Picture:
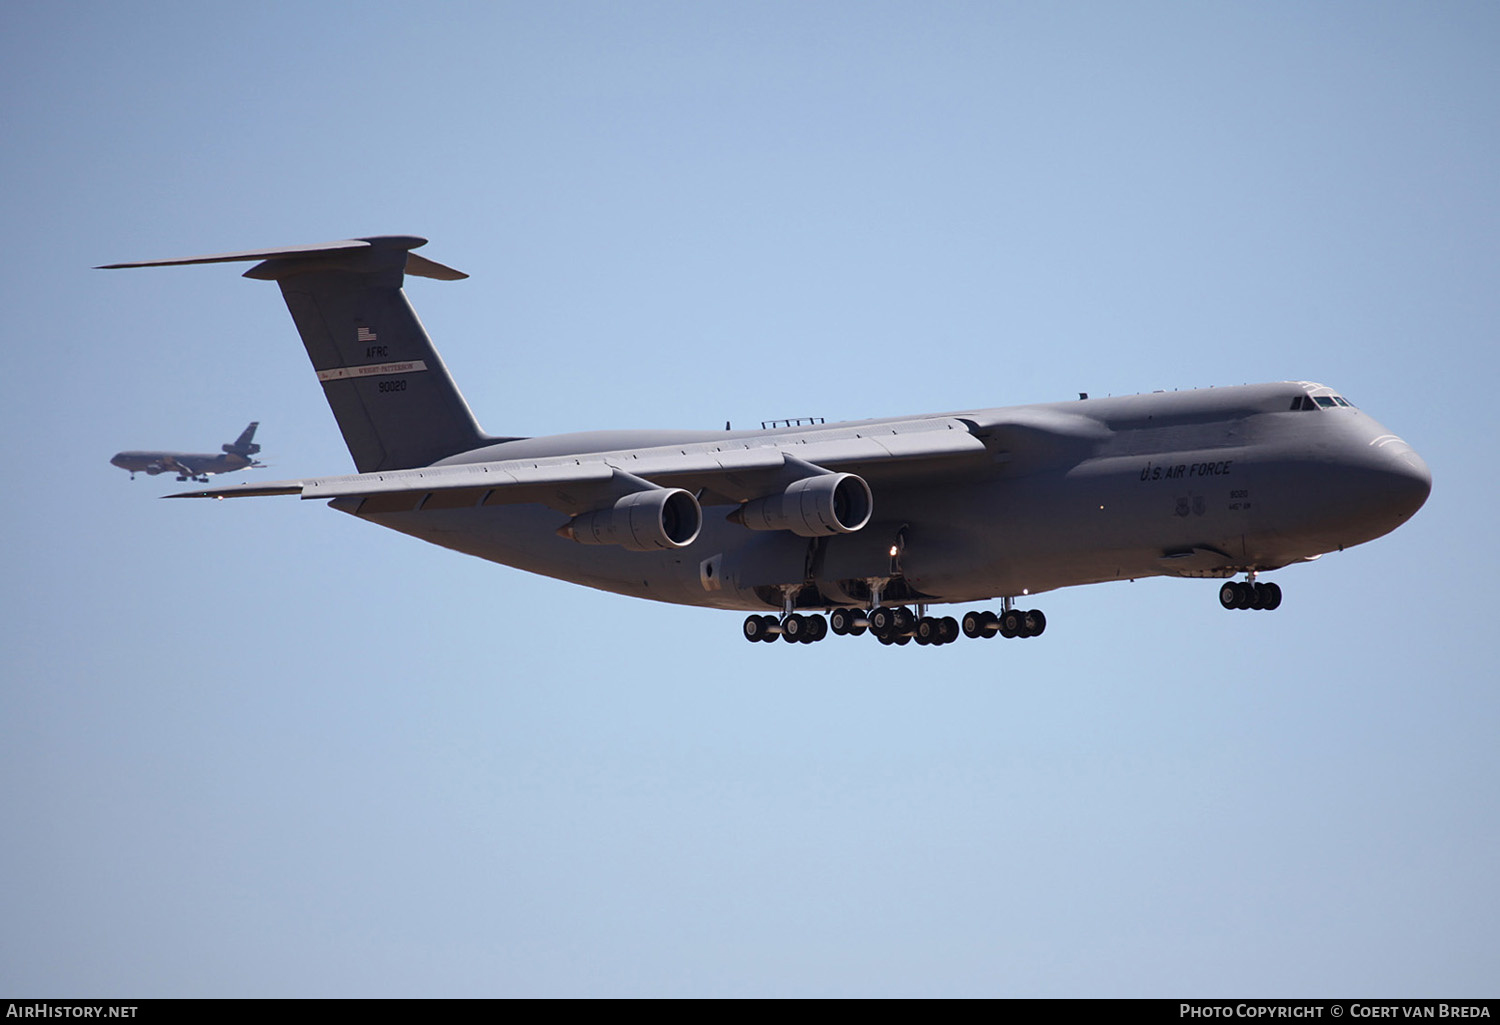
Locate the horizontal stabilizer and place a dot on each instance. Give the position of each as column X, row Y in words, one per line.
column 418, row 265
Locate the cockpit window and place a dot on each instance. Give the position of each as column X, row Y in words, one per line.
column 1316, row 402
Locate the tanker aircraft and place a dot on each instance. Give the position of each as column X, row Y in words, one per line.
column 874, row 523
column 236, row 455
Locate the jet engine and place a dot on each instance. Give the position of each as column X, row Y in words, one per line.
column 829, row 503
column 642, row 521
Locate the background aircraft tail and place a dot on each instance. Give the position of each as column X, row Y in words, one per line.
column 388, row 389
column 243, row 446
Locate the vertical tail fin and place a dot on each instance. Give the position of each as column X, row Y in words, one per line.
column 388, row 388
column 243, row 445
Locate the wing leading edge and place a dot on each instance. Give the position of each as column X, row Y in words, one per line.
column 733, row 471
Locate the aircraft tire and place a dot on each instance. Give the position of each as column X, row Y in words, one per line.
column 1035, row 623
column 882, row 620
column 841, row 621
column 947, row 630
column 794, row 629
column 755, row 629
column 973, row 625
column 817, row 628
column 1273, row 597
column 929, row 631
column 1012, row 622
column 1229, row 594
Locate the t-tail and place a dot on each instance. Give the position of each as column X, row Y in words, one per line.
column 388, row 389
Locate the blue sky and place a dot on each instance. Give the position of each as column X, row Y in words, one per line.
column 260, row 749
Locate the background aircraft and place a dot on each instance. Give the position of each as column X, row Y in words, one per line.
column 236, row 455
column 875, row 520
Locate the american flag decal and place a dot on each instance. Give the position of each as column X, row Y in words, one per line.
column 366, row 335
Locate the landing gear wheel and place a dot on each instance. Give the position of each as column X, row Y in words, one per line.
column 947, row 630
column 794, row 629
column 1229, row 594
column 1273, row 597
column 973, row 625
column 929, row 631
column 817, row 628
column 841, row 621
column 882, row 620
column 904, row 621
column 1012, row 622
column 1033, row 623
column 756, row 629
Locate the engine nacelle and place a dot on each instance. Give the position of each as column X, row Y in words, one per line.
column 642, row 521
column 829, row 503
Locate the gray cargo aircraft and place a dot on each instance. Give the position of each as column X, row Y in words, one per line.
column 236, row 455
column 874, row 522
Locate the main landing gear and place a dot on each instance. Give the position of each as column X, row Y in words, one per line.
column 894, row 625
column 1010, row 623
column 1249, row 595
column 794, row 629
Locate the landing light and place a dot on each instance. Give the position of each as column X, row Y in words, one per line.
column 893, row 551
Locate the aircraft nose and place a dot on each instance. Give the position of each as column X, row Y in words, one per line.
column 1374, row 485
column 1405, row 477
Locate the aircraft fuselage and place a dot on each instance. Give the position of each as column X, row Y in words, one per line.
column 189, row 464
column 1203, row 483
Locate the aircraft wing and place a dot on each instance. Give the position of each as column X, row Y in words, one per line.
column 285, row 487
column 735, row 470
